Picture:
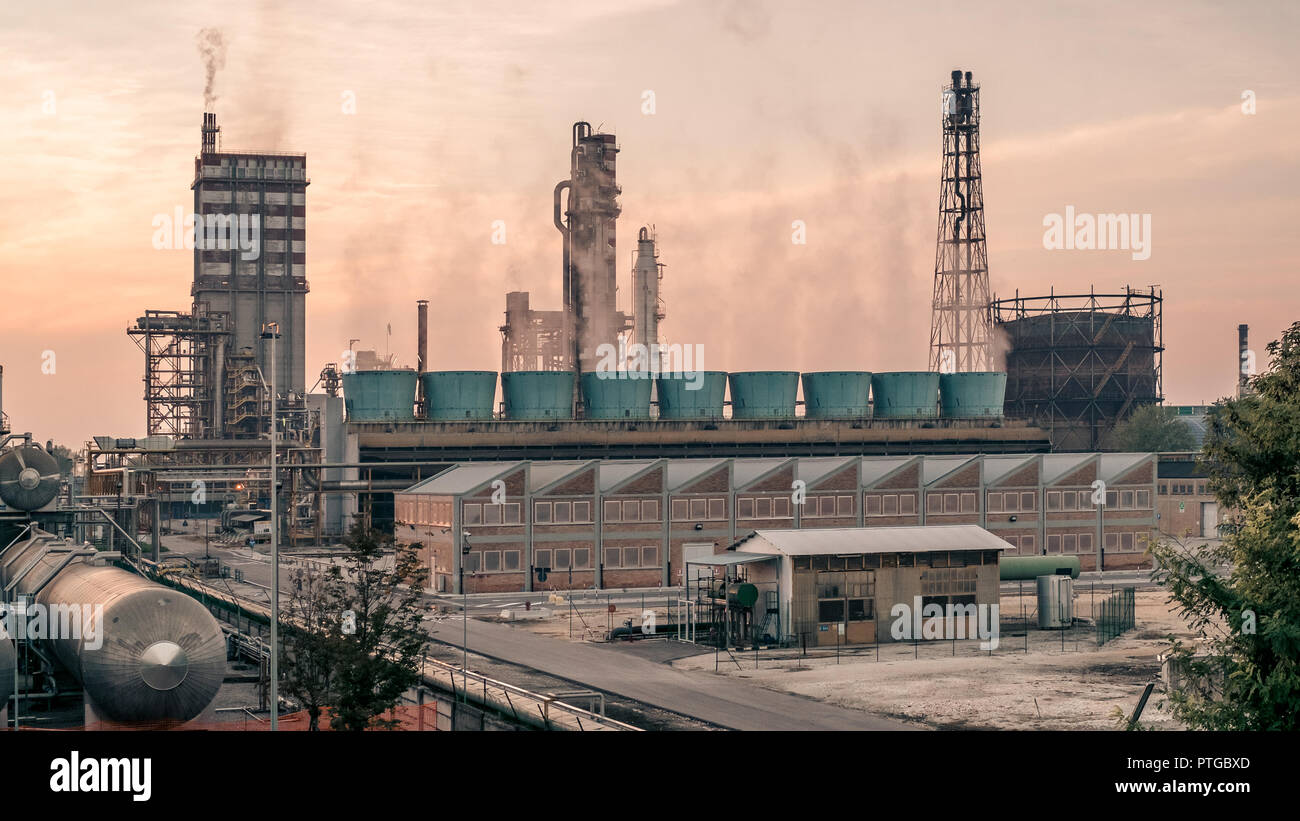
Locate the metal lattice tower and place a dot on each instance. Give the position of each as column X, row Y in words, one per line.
column 959, row 326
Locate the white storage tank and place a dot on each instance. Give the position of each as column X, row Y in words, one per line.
column 1055, row 602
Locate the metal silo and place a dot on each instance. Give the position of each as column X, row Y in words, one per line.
column 451, row 396
column 695, row 395
column 538, row 395
column 1055, row 602
column 836, row 394
column 763, row 394
column 616, row 395
column 905, row 395
column 156, row 654
column 380, row 395
column 972, row 394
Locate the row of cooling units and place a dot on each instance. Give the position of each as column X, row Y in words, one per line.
column 389, row 395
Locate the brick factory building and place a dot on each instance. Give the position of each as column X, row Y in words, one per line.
column 628, row 523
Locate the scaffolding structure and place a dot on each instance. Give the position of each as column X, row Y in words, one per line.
column 959, row 328
column 178, row 348
column 1078, row 364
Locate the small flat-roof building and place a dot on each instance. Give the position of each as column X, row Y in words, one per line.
column 827, row 577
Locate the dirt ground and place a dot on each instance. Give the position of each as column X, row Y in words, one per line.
column 1046, row 689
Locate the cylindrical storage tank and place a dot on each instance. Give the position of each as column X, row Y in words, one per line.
column 763, row 394
column 451, row 396
column 616, row 395
column 905, row 395
column 691, row 395
column 1055, row 602
column 380, row 396
column 29, row 477
column 972, row 394
column 742, row 594
column 152, row 654
column 836, row 394
column 1025, row 568
column 538, row 395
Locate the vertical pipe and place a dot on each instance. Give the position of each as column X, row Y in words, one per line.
column 422, row 350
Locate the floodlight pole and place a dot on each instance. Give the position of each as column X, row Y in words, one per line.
column 272, row 332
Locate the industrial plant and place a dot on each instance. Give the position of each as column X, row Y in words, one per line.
column 769, row 508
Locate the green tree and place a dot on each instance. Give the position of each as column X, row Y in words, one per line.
column 1152, row 428
column 379, row 587
column 1248, row 620
column 353, row 638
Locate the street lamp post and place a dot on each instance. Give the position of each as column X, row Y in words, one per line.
column 272, row 332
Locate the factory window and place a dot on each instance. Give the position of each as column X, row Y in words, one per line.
column 1142, row 538
column 1112, row 541
column 763, row 508
column 471, row 562
column 699, row 508
column 1126, row 499
column 1069, row 500
column 511, row 513
column 891, row 504
column 650, row 510
column 613, row 557
column 491, row 514
column 744, row 508
column 934, row 503
column 1069, row 543
column 631, row 557
column 1144, row 500
column 1112, row 498
column 1164, row 489
column 1085, row 542
column 951, row 503
column 995, row 502
column 561, row 558
column 632, row 511
column 862, row 610
column 717, row 509
column 872, row 502
column 1126, row 541
column 472, row 514
column 830, row 610
column 581, row 558
column 542, row 558
column 1053, row 544
column 563, row 512
column 582, row 512
column 1027, row 544
column 1053, row 500
column 650, row 556
column 844, row 505
column 511, row 559
column 907, row 504
column 679, row 510
column 613, row 512
column 781, row 508
column 938, row 560
column 1200, row 488
column 542, row 513
column 492, row 560
column 968, row 503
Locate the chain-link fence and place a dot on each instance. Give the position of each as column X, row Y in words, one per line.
column 1115, row 614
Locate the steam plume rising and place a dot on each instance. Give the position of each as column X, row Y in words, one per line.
column 212, row 48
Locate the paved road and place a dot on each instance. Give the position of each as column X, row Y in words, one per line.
column 720, row 700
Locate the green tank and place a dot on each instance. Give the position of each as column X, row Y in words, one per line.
column 691, row 395
column 380, row 396
column 973, row 394
column 1028, row 568
column 836, row 394
column 616, row 395
column 763, row 394
column 905, row 395
column 538, row 395
column 458, row 395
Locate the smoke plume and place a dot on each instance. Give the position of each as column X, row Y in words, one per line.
column 212, row 49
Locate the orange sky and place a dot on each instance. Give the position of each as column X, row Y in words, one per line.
column 765, row 113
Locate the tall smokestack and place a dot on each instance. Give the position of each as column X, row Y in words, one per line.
column 209, row 131
column 1243, row 360
column 421, row 346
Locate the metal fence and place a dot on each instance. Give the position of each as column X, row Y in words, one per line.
column 1115, row 614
